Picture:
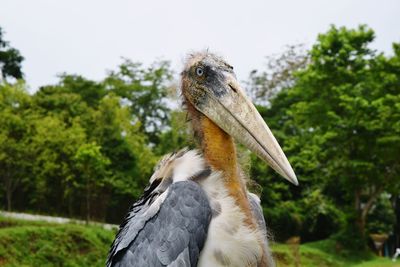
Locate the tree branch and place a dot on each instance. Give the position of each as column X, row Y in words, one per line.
column 371, row 200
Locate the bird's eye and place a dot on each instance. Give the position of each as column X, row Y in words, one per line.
column 199, row 71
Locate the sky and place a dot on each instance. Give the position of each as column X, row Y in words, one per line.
column 89, row 37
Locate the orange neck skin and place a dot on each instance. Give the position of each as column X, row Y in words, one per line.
column 220, row 153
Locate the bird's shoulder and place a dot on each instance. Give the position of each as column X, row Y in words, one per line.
column 168, row 223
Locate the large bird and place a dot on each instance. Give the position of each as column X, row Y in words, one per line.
column 197, row 210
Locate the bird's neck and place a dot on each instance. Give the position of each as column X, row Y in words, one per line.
column 220, row 153
column 217, row 146
column 219, row 150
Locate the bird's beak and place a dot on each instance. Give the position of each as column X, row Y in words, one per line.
column 236, row 115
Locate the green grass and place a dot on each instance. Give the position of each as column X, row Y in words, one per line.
column 326, row 254
column 27, row 243
column 24, row 243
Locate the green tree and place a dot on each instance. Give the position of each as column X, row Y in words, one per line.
column 92, row 168
column 145, row 91
column 84, row 111
column 278, row 74
column 178, row 134
column 381, row 217
column 126, row 146
column 339, row 122
column 15, row 152
column 10, row 60
column 55, row 144
column 91, row 92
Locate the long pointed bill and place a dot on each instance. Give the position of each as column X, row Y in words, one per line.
column 235, row 114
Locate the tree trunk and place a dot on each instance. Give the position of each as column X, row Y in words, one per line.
column 9, row 190
column 361, row 224
column 9, row 199
column 357, row 195
column 362, row 212
column 357, row 207
column 87, row 203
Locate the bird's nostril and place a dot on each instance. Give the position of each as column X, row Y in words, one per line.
column 233, row 88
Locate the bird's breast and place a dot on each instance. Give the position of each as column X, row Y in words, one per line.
column 230, row 240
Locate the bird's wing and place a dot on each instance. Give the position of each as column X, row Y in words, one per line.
column 257, row 212
column 170, row 231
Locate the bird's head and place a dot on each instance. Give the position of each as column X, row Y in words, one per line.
column 210, row 86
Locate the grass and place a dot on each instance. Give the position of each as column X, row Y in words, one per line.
column 36, row 243
column 24, row 243
column 324, row 254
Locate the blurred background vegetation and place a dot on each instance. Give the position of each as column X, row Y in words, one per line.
column 85, row 149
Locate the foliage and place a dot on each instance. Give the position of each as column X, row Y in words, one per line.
column 54, row 143
column 14, row 138
column 92, row 168
column 178, row 135
column 381, row 217
column 42, row 244
column 278, row 74
column 338, row 124
column 92, row 155
column 10, row 60
column 144, row 90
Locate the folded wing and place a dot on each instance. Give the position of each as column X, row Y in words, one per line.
column 165, row 230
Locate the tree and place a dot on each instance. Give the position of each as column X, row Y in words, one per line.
column 126, row 146
column 91, row 92
column 144, row 90
column 10, row 60
column 78, row 114
column 178, row 134
column 279, row 73
column 55, row 143
column 91, row 165
column 339, row 121
column 15, row 151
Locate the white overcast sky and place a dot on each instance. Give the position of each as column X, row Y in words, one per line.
column 88, row 37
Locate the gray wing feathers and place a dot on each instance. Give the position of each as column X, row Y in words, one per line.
column 259, row 216
column 257, row 213
column 172, row 237
column 136, row 222
column 182, row 260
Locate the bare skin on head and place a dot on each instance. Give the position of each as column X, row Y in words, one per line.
column 209, row 85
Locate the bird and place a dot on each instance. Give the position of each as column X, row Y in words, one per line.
column 196, row 209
